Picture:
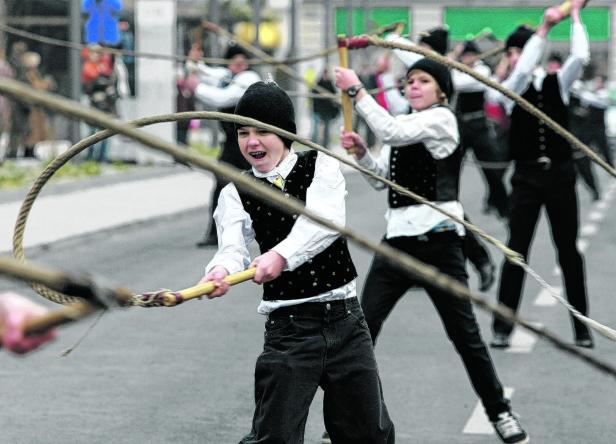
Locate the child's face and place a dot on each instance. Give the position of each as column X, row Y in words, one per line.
column 262, row 149
column 422, row 91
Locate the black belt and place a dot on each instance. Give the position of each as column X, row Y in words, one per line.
column 317, row 309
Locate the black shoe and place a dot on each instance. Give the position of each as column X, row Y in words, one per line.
column 325, row 438
column 584, row 341
column 486, row 276
column 500, row 340
column 209, row 241
column 509, row 430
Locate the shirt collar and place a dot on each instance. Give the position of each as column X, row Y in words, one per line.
column 283, row 169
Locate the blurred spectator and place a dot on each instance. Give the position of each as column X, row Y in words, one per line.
column 14, row 311
column 40, row 129
column 20, row 111
column 99, row 83
column 127, row 42
column 324, row 110
column 186, row 82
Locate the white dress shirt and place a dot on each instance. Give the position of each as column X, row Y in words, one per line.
column 325, row 196
column 437, row 129
column 212, row 94
column 525, row 70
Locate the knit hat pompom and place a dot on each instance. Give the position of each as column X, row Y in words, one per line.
column 519, row 37
column 437, row 70
column 268, row 103
column 436, row 38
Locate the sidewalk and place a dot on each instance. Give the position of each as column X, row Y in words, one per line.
column 86, row 206
column 64, row 210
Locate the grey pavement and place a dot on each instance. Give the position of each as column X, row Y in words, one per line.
column 80, row 206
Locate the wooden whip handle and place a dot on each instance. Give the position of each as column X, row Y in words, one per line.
column 170, row 299
column 347, row 104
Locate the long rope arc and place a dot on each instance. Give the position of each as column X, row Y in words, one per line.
column 525, row 104
column 512, row 256
column 290, row 205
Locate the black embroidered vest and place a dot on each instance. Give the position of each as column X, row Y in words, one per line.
column 328, row 270
column 414, row 168
column 529, row 137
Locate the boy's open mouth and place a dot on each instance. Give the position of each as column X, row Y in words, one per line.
column 257, row 154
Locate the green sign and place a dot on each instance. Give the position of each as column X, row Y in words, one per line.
column 377, row 17
column 466, row 22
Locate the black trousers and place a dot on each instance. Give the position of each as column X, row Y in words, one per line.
column 534, row 188
column 476, row 134
column 312, row 345
column 386, row 284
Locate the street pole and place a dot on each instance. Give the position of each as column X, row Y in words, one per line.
column 75, row 63
column 327, row 35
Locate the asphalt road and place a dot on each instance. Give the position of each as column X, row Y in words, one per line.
column 185, row 374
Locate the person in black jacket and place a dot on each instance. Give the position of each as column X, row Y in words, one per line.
column 544, row 173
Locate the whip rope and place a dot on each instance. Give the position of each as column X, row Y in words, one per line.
column 290, row 205
column 179, row 58
column 59, row 161
column 363, row 41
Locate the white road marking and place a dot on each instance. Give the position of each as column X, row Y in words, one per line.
column 589, row 229
column 545, row 299
column 582, row 245
column 478, row 423
column 522, row 341
column 596, row 216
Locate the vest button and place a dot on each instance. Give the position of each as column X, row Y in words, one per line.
column 541, row 130
column 542, row 147
column 541, row 139
column 328, row 306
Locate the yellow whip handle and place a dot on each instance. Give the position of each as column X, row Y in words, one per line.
column 170, row 299
column 347, row 105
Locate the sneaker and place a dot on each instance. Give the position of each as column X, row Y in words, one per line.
column 486, row 276
column 500, row 340
column 325, row 438
column 509, row 429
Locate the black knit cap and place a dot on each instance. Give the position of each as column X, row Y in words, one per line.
column 519, row 37
column 470, row 46
column 268, row 103
column 440, row 73
column 436, row 38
